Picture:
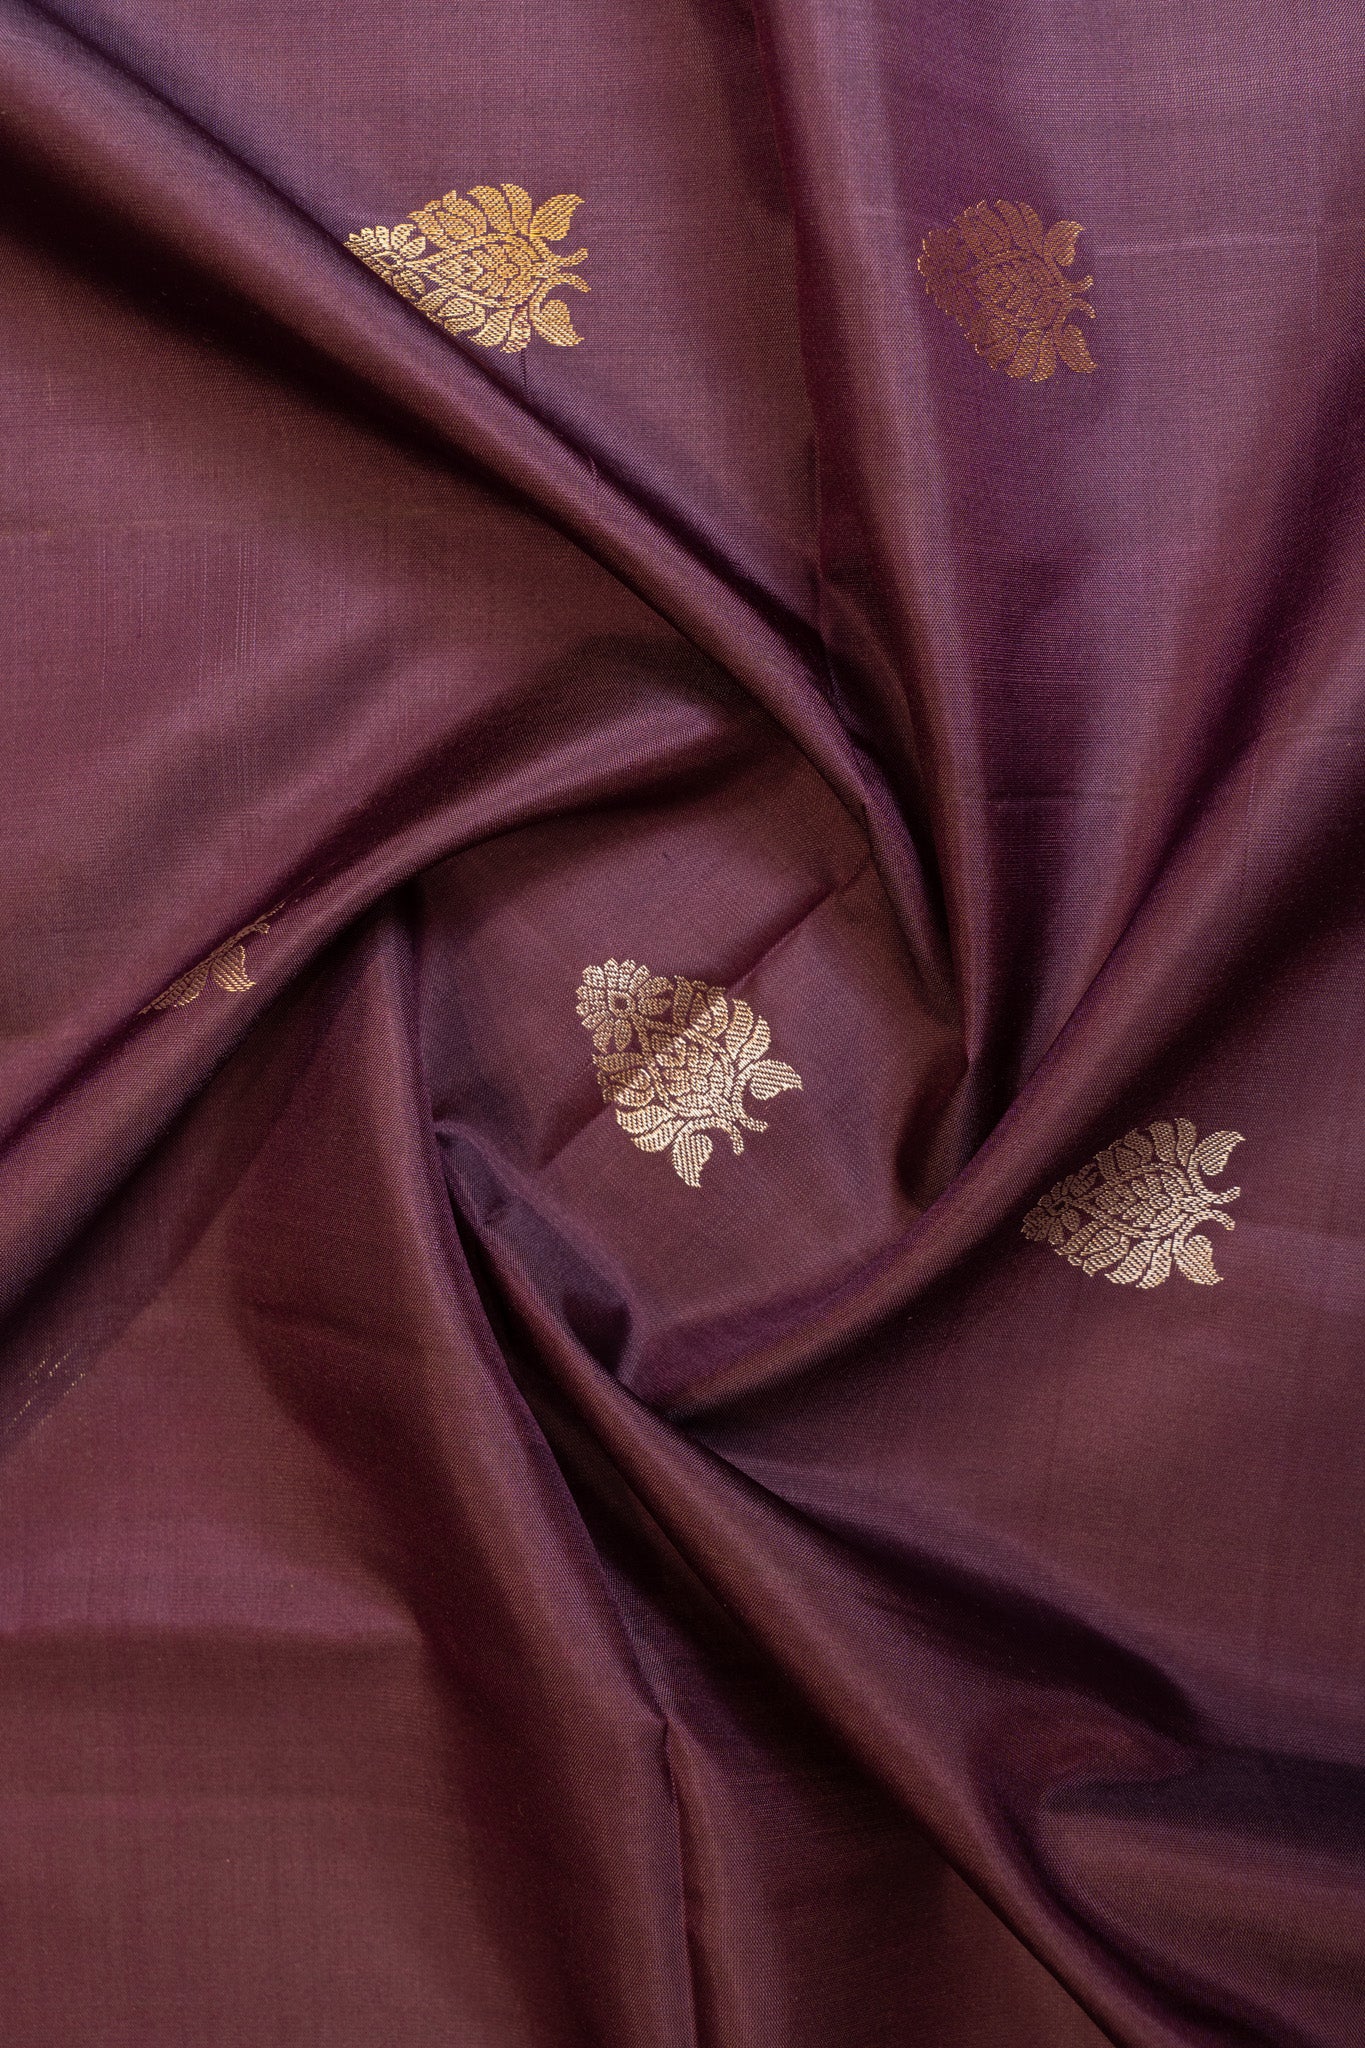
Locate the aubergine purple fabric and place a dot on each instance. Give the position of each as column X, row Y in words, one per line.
column 486, row 1560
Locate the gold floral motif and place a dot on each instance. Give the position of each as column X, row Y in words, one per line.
column 226, row 964
column 674, row 1057
column 485, row 269
column 1001, row 278
column 1136, row 1207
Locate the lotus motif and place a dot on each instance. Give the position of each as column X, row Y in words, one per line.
column 1003, row 279
column 1135, row 1209
column 483, row 266
column 675, row 1057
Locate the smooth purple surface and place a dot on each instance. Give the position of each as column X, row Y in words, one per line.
column 459, row 1584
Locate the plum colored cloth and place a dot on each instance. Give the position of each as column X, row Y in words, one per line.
column 683, row 1066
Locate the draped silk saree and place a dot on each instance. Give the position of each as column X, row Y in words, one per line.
column 682, row 1068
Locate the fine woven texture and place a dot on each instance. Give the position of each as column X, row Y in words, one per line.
column 682, row 1106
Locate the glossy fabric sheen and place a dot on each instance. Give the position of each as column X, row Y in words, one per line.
column 459, row 1582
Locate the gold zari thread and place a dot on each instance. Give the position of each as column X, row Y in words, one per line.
column 1134, row 1210
column 482, row 266
column 674, row 1058
column 1002, row 278
column 226, row 964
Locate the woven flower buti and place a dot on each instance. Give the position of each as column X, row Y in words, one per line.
column 674, row 1058
column 1002, row 277
column 482, row 266
column 1135, row 1209
column 225, row 965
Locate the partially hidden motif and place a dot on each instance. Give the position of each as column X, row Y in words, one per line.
column 487, row 269
column 1136, row 1207
column 226, row 964
column 1002, row 278
column 674, row 1058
